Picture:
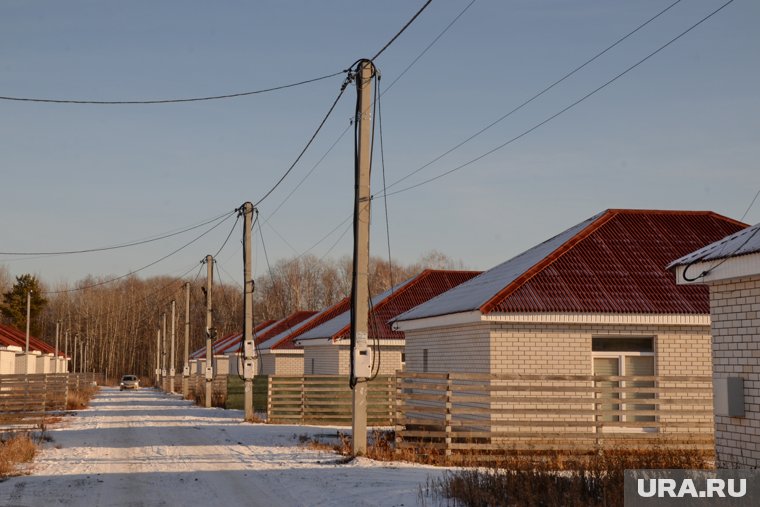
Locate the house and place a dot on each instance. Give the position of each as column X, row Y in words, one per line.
column 278, row 354
column 326, row 346
column 730, row 268
column 286, row 361
column 227, row 349
column 594, row 302
column 42, row 358
column 594, row 299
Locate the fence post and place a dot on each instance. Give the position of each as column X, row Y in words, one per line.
column 303, row 400
column 447, row 451
column 398, row 411
column 269, row 398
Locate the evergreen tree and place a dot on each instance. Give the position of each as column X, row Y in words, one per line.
column 14, row 303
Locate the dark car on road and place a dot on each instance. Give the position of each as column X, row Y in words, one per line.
column 129, row 382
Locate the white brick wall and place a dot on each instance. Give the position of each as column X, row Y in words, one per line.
column 332, row 359
column 735, row 312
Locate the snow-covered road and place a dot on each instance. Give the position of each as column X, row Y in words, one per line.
column 147, row 448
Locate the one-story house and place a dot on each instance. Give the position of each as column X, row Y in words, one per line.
column 577, row 303
column 42, row 357
column 326, row 347
column 593, row 301
column 730, row 268
column 287, row 361
column 277, row 354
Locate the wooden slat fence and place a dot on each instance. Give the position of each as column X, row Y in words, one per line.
column 26, row 401
column 481, row 415
column 236, row 393
column 326, row 399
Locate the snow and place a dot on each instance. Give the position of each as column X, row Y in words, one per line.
column 148, row 448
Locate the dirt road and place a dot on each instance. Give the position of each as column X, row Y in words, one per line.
column 146, row 448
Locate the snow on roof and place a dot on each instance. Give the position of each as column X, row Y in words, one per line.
column 10, row 336
column 744, row 242
column 473, row 294
column 387, row 305
column 328, row 329
column 286, row 339
column 613, row 262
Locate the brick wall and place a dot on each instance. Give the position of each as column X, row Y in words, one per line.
column 332, row 359
column 545, row 349
column 735, row 313
column 462, row 348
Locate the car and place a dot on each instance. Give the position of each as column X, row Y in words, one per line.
column 129, row 382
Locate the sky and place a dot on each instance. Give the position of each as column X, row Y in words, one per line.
column 678, row 131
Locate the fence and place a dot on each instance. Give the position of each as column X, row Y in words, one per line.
column 480, row 416
column 327, row 399
column 27, row 400
column 236, row 393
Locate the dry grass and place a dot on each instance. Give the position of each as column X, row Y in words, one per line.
column 557, row 478
column 79, row 399
column 15, row 450
column 218, row 399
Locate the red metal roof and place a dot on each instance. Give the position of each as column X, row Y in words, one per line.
column 283, row 325
column 9, row 336
column 288, row 342
column 423, row 287
column 617, row 264
column 222, row 345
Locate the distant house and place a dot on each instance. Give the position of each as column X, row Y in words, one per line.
column 595, row 299
column 326, row 346
column 731, row 269
column 276, row 349
column 285, row 360
column 41, row 357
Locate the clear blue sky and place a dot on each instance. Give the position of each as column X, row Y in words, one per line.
column 678, row 132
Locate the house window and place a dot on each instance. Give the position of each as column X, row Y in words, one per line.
column 625, row 356
column 312, row 366
column 424, row 360
column 403, row 358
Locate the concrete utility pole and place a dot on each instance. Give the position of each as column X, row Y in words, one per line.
column 210, row 331
column 28, row 316
column 361, row 362
column 158, row 358
column 186, row 364
column 163, row 351
column 66, row 351
column 74, row 368
column 57, row 354
column 248, row 345
column 171, row 359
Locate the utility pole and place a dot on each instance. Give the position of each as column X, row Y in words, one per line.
column 186, row 364
column 163, row 351
column 66, row 351
column 74, row 369
column 171, row 359
column 248, row 345
column 158, row 358
column 28, row 316
column 57, row 352
column 361, row 362
column 210, row 331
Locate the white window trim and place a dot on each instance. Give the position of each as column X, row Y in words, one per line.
column 620, row 356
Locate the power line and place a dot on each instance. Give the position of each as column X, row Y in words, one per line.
column 564, row 110
column 537, row 95
column 144, row 267
column 171, row 101
column 311, row 140
column 124, row 245
column 343, row 133
column 403, row 29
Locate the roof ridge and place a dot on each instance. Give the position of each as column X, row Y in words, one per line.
column 549, row 259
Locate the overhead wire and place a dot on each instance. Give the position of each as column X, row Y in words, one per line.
column 125, row 245
column 536, row 95
column 564, row 110
column 144, row 267
column 172, row 101
column 403, row 29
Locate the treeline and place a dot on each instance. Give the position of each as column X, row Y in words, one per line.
column 112, row 326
